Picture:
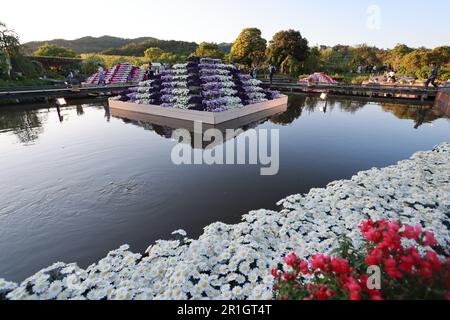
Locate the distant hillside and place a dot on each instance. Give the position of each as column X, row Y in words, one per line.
column 87, row 44
column 120, row 46
column 138, row 48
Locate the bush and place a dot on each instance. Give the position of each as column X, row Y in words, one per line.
column 413, row 272
column 359, row 79
column 26, row 67
column 90, row 64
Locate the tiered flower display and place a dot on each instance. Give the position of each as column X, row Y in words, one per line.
column 175, row 90
column 119, row 74
column 218, row 89
column 409, row 268
column 148, row 92
column 202, row 84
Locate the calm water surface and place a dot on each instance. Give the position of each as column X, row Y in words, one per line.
column 79, row 182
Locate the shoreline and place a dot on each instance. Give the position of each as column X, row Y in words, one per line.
column 234, row 261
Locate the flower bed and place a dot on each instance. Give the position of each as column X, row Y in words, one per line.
column 234, row 261
column 119, row 74
column 401, row 259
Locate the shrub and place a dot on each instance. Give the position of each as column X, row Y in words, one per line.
column 409, row 268
column 90, row 64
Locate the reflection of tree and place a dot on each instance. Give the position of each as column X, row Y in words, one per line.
column 80, row 110
column 26, row 124
column 420, row 114
column 352, row 106
column 296, row 103
column 299, row 103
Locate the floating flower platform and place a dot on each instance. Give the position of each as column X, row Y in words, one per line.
column 207, row 117
column 202, row 89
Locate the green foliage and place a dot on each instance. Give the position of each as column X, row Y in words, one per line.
column 90, row 64
column 153, row 54
column 51, row 50
column 26, row 69
column 4, row 65
column 210, row 50
column 22, row 83
column 287, row 50
column 9, row 40
column 225, row 48
column 85, row 44
column 364, row 55
column 337, row 59
column 249, row 48
column 138, row 49
column 159, row 55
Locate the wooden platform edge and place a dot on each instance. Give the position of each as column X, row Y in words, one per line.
column 200, row 116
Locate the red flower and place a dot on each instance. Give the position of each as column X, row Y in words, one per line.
column 340, row 266
column 412, row 233
column 407, row 263
column 304, row 267
column 320, row 262
column 391, row 269
column 355, row 295
column 430, row 241
column 376, row 295
column 291, row 260
column 434, row 261
column 374, row 258
column 276, row 274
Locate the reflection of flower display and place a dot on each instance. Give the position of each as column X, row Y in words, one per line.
column 204, row 84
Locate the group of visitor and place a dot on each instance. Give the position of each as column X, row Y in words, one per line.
column 73, row 77
column 372, row 69
column 272, row 69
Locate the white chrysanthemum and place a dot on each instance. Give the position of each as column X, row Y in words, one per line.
column 41, row 286
column 54, row 289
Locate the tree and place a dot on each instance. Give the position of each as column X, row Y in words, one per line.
column 363, row 55
column 249, row 48
column 51, row 50
column 90, row 64
column 313, row 62
column 9, row 40
column 336, row 59
column 9, row 47
column 287, row 50
column 153, row 54
column 209, row 50
column 441, row 56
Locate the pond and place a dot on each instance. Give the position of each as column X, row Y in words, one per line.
column 77, row 182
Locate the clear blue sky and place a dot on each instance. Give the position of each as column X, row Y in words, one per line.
column 329, row 22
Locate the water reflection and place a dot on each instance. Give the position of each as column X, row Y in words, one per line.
column 80, row 110
column 25, row 124
column 298, row 104
column 420, row 114
column 97, row 181
column 165, row 127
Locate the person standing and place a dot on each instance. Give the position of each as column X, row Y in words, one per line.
column 101, row 75
column 433, row 76
column 150, row 72
column 272, row 70
column 255, row 73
